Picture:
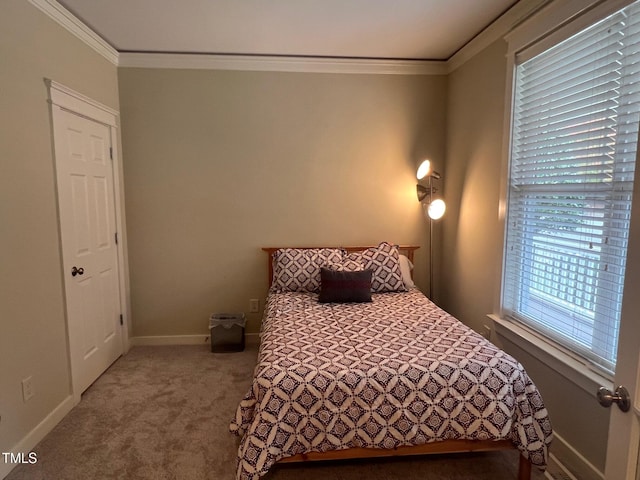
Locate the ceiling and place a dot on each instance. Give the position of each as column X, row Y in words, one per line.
column 375, row 29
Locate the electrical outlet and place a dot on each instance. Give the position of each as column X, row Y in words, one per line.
column 486, row 332
column 254, row 305
column 27, row 389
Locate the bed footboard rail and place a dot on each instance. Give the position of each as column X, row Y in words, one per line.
column 440, row 447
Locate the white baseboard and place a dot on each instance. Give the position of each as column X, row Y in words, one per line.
column 38, row 433
column 156, row 340
column 557, row 471
column 563, row 457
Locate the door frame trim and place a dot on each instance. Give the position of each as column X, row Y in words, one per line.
column 64, row 98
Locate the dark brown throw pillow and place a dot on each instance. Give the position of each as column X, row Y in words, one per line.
column 344, row 287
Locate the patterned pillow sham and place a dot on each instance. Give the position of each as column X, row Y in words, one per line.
column 346, row 265
column 298, row 269
column 384, row 262
column 341, row 286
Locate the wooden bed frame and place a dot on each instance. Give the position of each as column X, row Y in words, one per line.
column 438, row 447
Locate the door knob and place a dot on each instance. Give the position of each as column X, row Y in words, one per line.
column 620, row 397
column 77, row 271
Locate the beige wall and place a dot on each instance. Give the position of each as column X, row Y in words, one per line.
column 473, row 239
column 32, row 324
column 221, row 163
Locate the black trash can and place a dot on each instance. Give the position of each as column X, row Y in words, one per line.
column 227, row 332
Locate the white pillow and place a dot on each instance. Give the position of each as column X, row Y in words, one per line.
column 405, row 267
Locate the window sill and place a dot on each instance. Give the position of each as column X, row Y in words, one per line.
column 559, row 359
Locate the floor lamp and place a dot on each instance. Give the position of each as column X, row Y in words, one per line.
column 433, row 205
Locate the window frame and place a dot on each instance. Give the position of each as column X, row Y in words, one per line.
column 547, row 27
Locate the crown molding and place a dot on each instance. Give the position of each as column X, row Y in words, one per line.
column 498, row 29
column 75, row 26
column 281, row 64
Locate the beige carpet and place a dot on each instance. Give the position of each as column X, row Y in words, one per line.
column 163, row 413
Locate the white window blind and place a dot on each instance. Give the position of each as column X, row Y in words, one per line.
column 573, row 152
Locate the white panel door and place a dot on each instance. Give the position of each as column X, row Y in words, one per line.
column 624, row 428
column 87, row 223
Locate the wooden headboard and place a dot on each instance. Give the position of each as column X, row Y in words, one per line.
column 403, row 249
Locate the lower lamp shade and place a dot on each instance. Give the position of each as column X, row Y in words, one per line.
column 436, row 209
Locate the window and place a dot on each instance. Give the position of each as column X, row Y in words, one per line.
column 573, row 150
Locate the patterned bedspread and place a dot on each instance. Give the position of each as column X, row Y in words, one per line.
column 397, row 371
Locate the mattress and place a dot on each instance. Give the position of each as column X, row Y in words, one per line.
column 397, row 371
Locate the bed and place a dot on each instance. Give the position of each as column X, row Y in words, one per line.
column 395, row 375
